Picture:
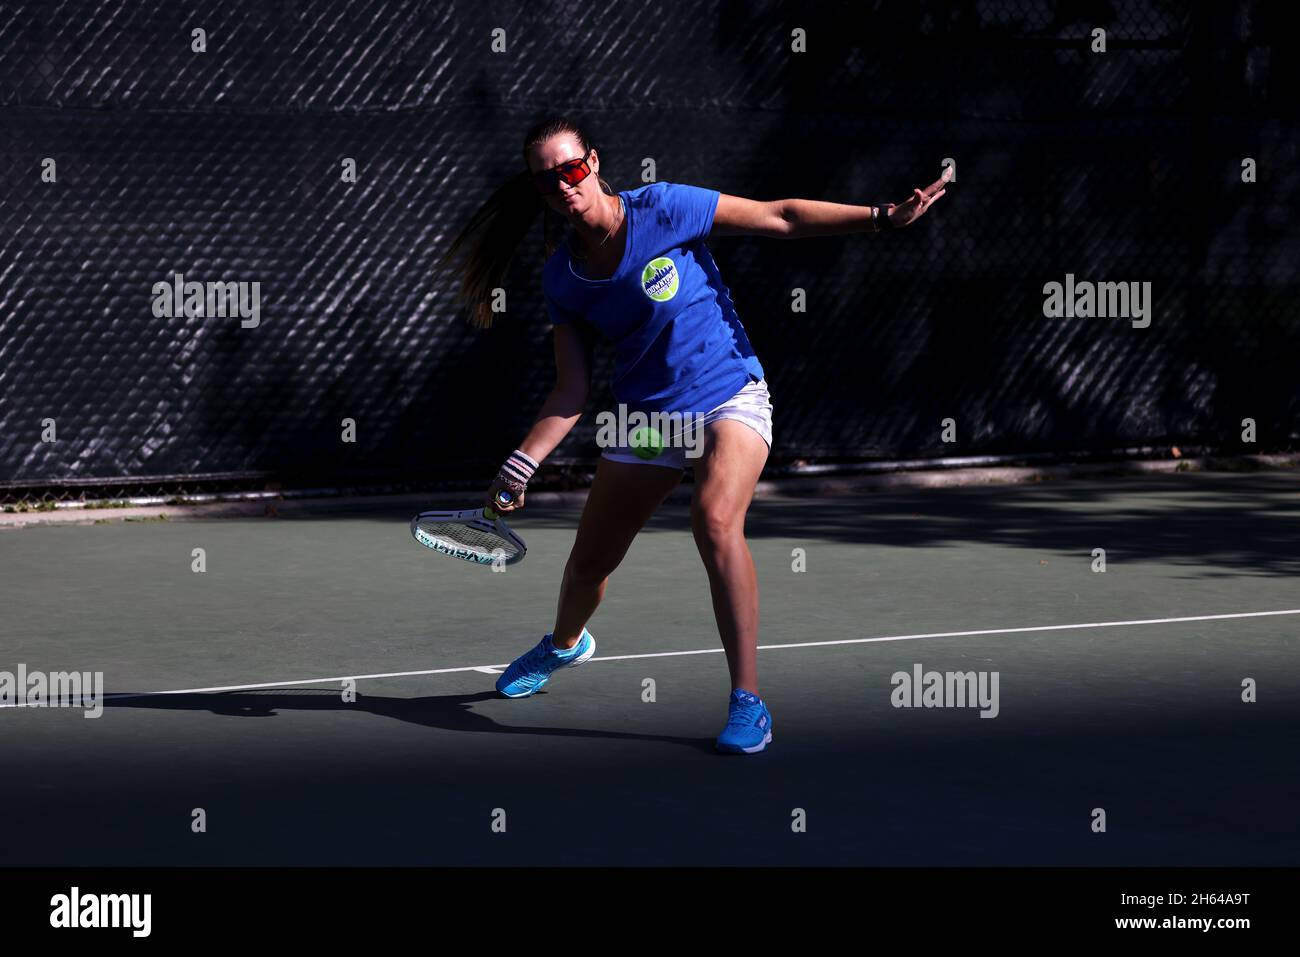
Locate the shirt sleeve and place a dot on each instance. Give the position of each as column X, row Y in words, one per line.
column 558, row 315
column 690, row 210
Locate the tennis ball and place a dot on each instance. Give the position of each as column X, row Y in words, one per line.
column 646, row 443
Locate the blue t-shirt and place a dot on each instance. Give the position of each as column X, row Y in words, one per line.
column 678, row 344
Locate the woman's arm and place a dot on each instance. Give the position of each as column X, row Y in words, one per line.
column 801, row 218
column 562, row 408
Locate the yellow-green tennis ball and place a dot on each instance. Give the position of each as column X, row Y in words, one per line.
column 646, row 443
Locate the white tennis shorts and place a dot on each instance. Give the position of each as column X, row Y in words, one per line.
column 751, row 405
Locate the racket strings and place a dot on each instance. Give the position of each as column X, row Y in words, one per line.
column 474, row 538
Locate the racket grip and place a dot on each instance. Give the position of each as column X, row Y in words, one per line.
column 504, row 498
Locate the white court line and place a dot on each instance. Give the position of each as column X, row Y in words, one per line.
column 718, row 651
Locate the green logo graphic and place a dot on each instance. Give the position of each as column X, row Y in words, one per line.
column 659, row 279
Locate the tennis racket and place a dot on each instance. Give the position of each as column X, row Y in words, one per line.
column 477, row 535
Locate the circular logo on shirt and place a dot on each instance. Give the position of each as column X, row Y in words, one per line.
column 659, row 279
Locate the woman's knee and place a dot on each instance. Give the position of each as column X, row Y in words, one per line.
column 717, row 523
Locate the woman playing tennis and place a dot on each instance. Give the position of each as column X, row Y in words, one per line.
column 635, row 268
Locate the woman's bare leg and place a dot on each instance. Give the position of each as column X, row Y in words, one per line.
column 725, row 476
column 622, row 499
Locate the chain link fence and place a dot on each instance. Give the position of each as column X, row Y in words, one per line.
column 225, row 166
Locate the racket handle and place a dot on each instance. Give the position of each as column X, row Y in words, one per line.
column 503, row 498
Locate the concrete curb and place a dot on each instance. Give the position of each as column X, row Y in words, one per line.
column 795, row 487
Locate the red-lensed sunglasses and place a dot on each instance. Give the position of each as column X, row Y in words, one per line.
column 572, row 172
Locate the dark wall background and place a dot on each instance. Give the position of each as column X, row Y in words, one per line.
column 1122, row 166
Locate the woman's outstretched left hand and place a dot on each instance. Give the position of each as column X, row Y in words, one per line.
column 908, row 212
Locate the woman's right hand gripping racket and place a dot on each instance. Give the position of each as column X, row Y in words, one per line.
column 477, row 535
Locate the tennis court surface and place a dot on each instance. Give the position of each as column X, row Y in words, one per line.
column 1139, row 712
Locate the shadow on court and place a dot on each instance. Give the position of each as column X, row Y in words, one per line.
column 444, row 712
column 1208, row 524
column 1147, row 721
column 1198, row 787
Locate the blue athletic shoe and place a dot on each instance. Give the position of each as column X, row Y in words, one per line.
column 529, row 672
column 749, row 725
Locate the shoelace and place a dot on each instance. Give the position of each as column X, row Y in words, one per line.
column 531, row 662
column 744, row 715
column 528, row 664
